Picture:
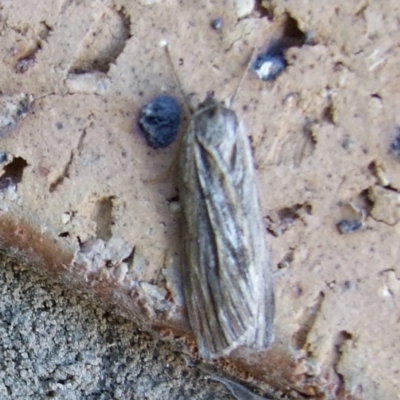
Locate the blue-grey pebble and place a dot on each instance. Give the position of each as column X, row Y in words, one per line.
column 269, row 66
column 217, row 24
column 395, row 145
column 159, row 120
column 349, row 226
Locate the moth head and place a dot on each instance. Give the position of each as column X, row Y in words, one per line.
column 209, row 102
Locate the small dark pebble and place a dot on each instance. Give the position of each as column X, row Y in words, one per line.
column 269, row 66
column 347, row 285
column 6, row 182
column 159, row 120
column 59, row 125
column 24, row 64
column 347, row 143
column 24, row 107
column 3, row 157
column 395, row 145
column 217, row 24
column 349, row 225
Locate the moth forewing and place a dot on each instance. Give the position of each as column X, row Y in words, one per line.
column 226, row 276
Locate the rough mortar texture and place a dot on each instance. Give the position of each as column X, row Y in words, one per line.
column 84, row 199
column 56, row 344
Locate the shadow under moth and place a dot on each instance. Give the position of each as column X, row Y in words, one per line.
column 226, row 265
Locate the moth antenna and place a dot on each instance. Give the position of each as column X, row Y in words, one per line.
column 164, row 44
column 242, row 78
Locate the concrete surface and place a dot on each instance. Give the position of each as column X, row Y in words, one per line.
column 78, row 198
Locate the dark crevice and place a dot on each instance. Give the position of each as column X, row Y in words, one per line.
column 291, row 32
column 12, row 174
column 310, row 138
column 65, row 174
column 376, row 96
column 131, row 257
column 328, row 114
column 278, row 222
column 287, row 260
column 173, row 199
column 265, row 9
column 15, row 169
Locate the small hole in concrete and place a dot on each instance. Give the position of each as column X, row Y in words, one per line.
column 292, row 31
column 14, row 170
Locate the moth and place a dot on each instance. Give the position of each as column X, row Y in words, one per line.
column 227, row 280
